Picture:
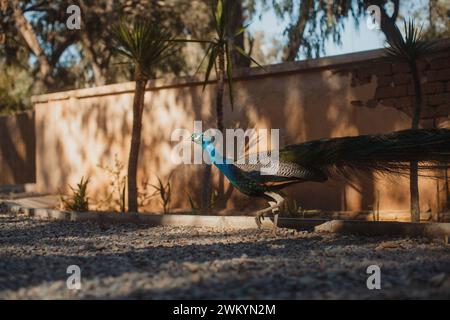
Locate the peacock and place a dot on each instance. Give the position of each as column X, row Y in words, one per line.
column 332, row 158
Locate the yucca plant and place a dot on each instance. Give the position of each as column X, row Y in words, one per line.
column 164, row 191
column 144, row 44
column 218, row 54
column 219, row 57
column 211, row 204
column 410, row 48
column 78, row 201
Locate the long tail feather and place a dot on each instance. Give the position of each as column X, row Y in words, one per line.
column 381, row 153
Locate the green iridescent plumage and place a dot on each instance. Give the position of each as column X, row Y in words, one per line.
column 337, row 158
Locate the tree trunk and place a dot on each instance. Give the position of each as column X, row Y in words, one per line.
column 45, row 78
column 220, row 125
column 447, row 191
column 236, row 22
column 98, row 71
column 388, row 23
column 432, row 16
column 414, row 176
column 414, row 191
column 220, row 90
column 207, row 185
column 138, row 108
column 99, row 74
column 295, row 32
column 206, row 188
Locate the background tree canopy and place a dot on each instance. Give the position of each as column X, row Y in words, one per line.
column 38, row 53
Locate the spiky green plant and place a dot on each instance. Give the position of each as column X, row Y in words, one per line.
column 164, row 191
column 79, row 200
column 218, row 54
column 144, row 44
column 218, row 57
column 411, row 46
column 410, row 49
column 211, row 204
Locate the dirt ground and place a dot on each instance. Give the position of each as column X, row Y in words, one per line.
column 140, row 262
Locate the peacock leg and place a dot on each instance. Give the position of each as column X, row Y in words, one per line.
column 276, row 209
column 273, row 206
column 260, row 213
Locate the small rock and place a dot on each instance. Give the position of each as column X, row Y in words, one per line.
column 193, row 267
column 389, row 245
column 306, row 280
column 438, row 279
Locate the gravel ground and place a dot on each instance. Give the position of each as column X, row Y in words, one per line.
column 139, row 262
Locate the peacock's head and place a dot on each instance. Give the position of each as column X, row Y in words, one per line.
column 200, row 138
column 197, row 137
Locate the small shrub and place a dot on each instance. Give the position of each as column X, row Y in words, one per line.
column 292, row 209
column 117, row 183
column 78, row 201
column 196, row 209
column 144, row 193
column 164, row 191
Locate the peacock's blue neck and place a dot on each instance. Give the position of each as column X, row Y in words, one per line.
column 222, row 163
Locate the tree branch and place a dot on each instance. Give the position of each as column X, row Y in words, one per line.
column 26, row 30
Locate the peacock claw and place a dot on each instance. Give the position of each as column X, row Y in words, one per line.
column 258, row 219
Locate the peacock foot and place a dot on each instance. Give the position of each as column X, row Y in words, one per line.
column 258, row 219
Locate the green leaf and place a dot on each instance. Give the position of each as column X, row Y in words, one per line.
column 213, row 12
column 219, row 11
column 211, row 63
column 229, row 74
column 241, row 30
column 411, row 46
column 204, row 58
column 143, row 43
column 243, row 53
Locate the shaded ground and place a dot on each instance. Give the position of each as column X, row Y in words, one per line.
column 131, row 261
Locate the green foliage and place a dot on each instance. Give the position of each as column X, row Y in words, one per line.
column 293, row 209
column 116, row 197
column 195, row 209
column 78, row 201
column 15, row 89
column 143, row 43
column 219, row 49
column 410, row 47
column 310, row 24
column 212, row 202
column 164, row 191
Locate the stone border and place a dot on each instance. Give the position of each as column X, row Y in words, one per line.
column 375, row 228
column 234, row 222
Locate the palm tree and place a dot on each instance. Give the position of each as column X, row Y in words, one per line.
column 219, row 55
column 410, row 49
column 144, row 44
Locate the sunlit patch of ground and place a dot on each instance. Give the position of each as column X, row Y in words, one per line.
column 132, row 261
